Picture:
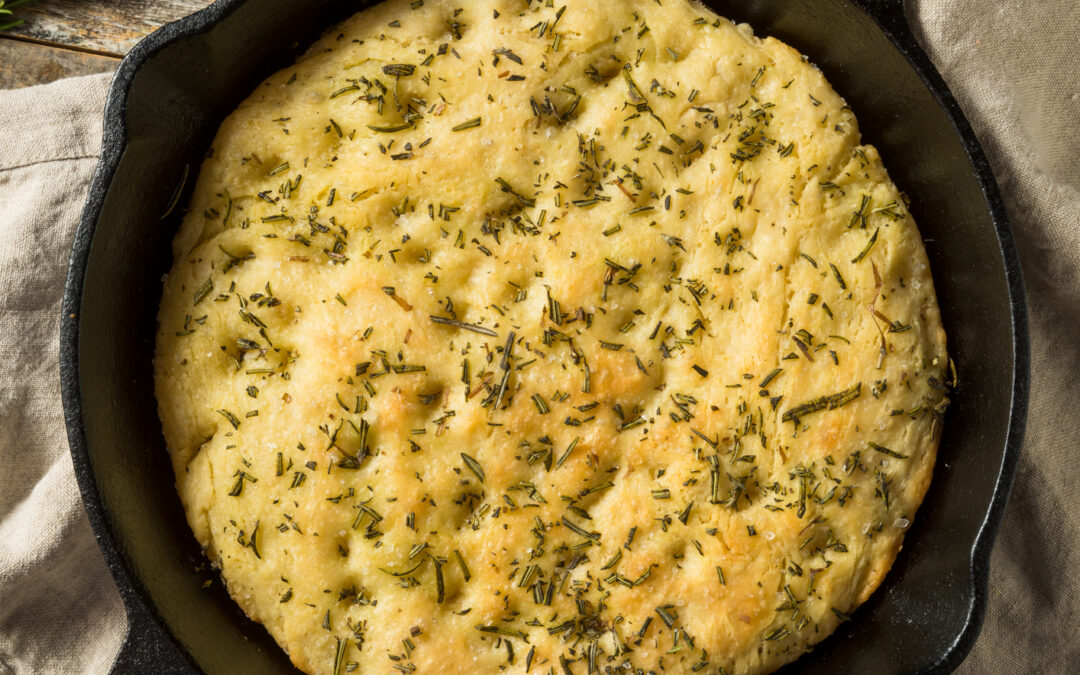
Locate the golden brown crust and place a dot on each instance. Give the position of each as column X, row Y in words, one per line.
column 513, row 334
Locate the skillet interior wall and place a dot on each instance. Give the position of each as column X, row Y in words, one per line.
column 177, row 100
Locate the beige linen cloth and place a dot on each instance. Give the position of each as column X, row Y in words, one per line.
column 1015, row 68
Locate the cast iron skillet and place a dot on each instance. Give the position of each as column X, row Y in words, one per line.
column 168, row 98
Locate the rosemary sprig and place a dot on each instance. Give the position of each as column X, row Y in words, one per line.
column 5, row 10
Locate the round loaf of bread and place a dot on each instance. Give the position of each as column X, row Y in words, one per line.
column 531, row 337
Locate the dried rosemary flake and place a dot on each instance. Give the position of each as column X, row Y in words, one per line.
column 473, row 466
column 886, row 451
column 869, row 245
column 464, row 326
column 471, row 124
column 404, row 573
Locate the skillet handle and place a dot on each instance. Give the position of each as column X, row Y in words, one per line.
column 146, row 647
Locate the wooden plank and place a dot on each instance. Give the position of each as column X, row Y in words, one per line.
column 111, row 27
column 25, row 63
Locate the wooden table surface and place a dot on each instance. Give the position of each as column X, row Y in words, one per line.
column 64, row 38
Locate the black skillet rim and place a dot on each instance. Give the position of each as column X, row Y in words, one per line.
column 889, row 16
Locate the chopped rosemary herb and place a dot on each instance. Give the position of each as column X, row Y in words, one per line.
column 473, row 466
column 869, row 245
column 464, row 326
column 471, row 124
column 404, row 573
column 885, row 451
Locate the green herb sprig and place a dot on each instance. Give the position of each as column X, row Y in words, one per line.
column 6, row 10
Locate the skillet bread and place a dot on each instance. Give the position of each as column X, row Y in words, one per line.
column 530, row 337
